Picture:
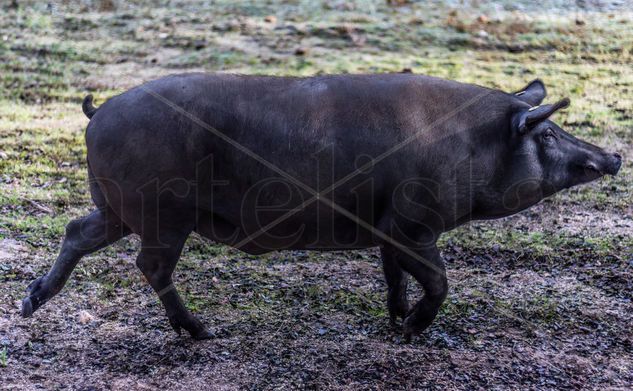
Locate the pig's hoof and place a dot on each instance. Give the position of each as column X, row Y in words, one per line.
column 38, row 294
column 398, row 311
column 175, row 324
column 398, row 307
column 408, row 330
column 416, row 322
column 202, row 335
column 411, row 327
column 27, row 307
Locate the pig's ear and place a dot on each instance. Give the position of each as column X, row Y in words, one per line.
column 526, row 119
column 533, row 93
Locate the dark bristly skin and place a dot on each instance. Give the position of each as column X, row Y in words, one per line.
column 216, row 154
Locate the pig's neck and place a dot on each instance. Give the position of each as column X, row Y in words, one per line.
column 505, row 183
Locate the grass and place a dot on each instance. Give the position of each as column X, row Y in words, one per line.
column 4, row 357
column 564, row 265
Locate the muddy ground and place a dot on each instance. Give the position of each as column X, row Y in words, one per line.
column 541, row 300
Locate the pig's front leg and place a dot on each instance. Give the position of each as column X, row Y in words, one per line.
column 428, row 269
column 397, row 280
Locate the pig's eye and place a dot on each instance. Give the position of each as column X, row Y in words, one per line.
column 548, row 135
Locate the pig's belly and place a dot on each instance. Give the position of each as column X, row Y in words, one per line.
column 298, row 232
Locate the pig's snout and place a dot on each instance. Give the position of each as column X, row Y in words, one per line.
column 604, row 164
column 614, row 162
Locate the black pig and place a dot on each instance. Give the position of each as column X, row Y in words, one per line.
column 319, row 163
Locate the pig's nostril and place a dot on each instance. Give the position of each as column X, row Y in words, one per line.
column 615, row 164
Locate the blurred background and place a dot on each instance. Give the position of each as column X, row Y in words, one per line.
column 538, row 300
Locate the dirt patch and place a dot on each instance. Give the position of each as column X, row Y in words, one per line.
column 281, row 323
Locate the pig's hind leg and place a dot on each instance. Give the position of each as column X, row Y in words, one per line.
column 83, row 236
column 161, row 247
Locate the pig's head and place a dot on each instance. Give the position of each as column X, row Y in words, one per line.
column 541, row 158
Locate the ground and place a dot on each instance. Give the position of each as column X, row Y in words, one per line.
column 539, row 300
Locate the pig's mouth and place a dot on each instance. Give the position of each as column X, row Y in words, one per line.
column 593, row 170
column 589, row 172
